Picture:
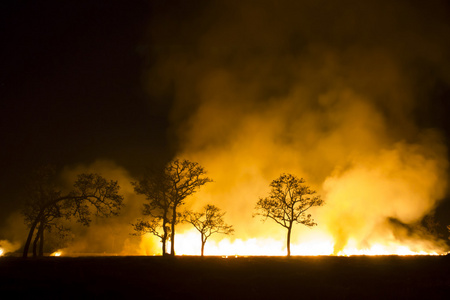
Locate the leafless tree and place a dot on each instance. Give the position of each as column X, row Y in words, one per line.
column 46, row 203
column 287, row 203
column 154, row 227
column 158, row 207
column 166, row 192
column 208, row 222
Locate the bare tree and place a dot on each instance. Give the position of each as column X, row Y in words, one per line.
column 166, row 192
column 287, row 203
column 40, row 190
column 46, row 204
column 159, row 207
column 208, row 222
column 154, row 227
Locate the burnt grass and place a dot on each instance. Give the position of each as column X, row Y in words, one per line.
column 185, row 277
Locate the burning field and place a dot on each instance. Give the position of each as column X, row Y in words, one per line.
column 322, row 277
column 351, row 97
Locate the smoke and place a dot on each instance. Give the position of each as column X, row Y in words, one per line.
column 329, row 91
column 340, row 93
column 402, row 183
column 109, row 236
column 106, row 235
column 13, row 233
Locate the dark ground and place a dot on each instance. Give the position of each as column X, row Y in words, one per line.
column 389, row 277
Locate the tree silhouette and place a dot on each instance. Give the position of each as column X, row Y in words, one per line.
column 287, row 203
column 207, row 222
column 166, row 192
column 159, row 207
column 46, row 203
column 154, row 227
column 40, row 190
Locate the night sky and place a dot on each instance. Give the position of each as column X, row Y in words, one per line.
column 72, row 89
column 88, row 80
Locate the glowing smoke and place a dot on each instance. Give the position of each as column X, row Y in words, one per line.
column 7, row 247
column 327, row 91
column 106, row 235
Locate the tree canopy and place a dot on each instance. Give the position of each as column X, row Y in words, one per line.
column 165, row 192
column 208, row 222
column 46, row 203
column 289, row 199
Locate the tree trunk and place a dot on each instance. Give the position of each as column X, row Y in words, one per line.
column 203, row 244
column 164, row 239
column 41, row 244
column 172, row 234
column 288, row 245
column 30, row 236
column 37, row 220
column 35, row 245
column 36, row 239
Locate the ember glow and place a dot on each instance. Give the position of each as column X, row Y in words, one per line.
column 321, row 245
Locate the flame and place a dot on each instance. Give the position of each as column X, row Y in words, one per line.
column 57, row 253
column 188, row 243
column 389, row 248
column 1, row 252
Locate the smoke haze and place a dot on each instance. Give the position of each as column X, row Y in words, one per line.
column 341, row 93
column 329, row 91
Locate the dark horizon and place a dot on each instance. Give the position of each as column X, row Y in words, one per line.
column 237, row 278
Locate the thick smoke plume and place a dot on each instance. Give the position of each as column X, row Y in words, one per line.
column 330, row 91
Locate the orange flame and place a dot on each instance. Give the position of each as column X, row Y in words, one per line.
column 188, row 243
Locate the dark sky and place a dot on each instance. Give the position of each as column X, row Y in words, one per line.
column 74, row 76
column 71, row 88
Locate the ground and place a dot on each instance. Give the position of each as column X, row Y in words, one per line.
column 323, row 277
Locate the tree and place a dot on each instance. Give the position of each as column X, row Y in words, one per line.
column 154, row 227
column 287, row 203
column 41, row 190
column 166, row 192
column 207, row 222
column 184, row 179
column 155, row 187
column 46, row 204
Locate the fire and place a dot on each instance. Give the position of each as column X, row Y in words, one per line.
column 1, row 252
column 389, row 248
column 188, row 243
column 57, row 253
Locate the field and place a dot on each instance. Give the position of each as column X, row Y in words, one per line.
column 323, row 277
